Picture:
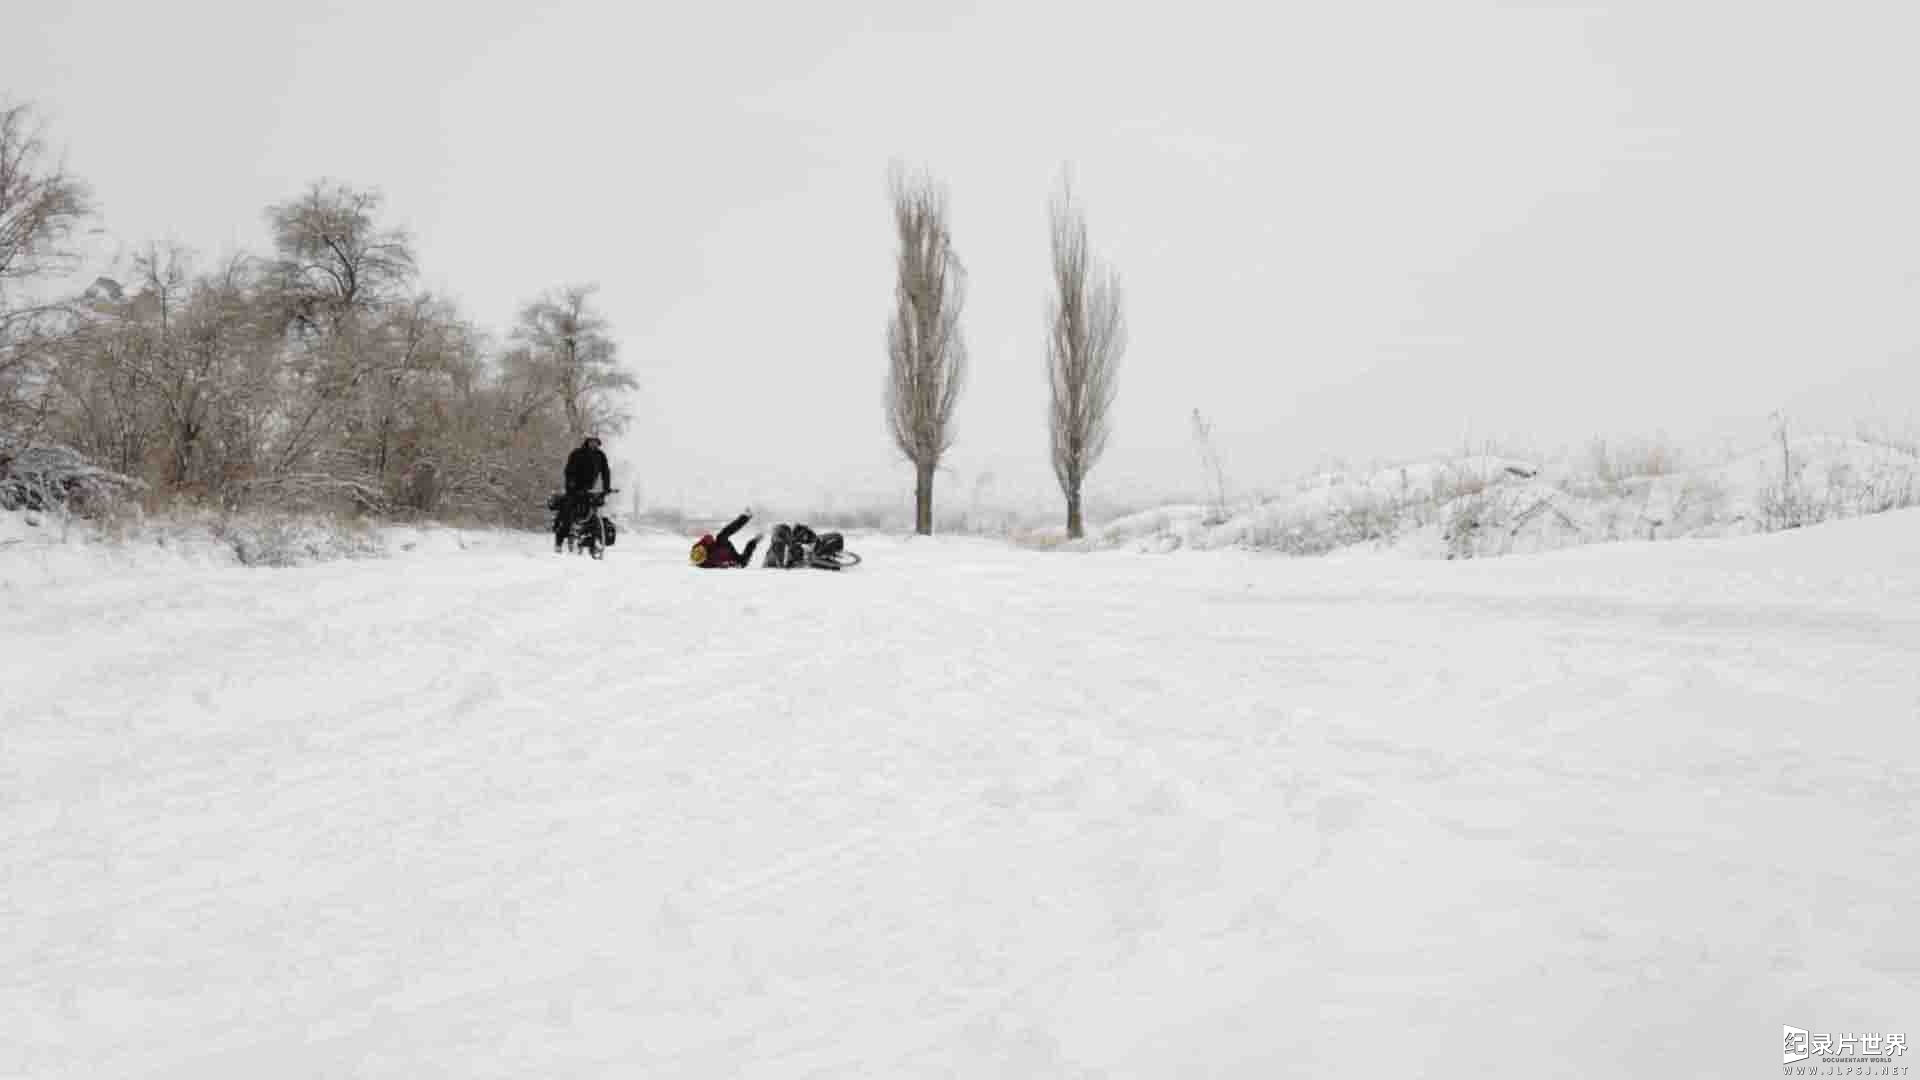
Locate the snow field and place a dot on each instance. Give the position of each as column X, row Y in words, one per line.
column 965, row 811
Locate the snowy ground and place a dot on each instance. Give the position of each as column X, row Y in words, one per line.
column 967, row 811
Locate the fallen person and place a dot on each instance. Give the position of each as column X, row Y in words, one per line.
column 717, row 552
column 795, row 546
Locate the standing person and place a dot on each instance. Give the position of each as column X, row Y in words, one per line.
column 714, row 552
column 586, row 464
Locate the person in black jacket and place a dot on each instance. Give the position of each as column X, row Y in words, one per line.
column 586, row 464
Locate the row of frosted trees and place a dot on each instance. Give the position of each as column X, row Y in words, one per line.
column 319, row 374
column 927, row 356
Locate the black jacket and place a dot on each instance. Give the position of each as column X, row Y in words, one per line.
column 584, row 466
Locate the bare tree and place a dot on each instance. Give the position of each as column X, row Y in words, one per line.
column 107, row 413
column 524, row 385
column 1086, row 337
column 315, row 377
column 418, row 345
column 569, row 341
column 176, row 377
column 336, row 262
column 40, row 207
column 337, row 268
column 1213, row 472
column 184, row 364
column 927, row 359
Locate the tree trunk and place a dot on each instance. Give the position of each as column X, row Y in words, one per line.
column 1075, row 529
column 184, row 437
column 923, row 499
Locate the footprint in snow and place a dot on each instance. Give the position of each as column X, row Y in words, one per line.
column 480, row 690
column 1337, row 813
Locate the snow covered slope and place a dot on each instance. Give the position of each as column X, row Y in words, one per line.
column 1480, row 506
column 967, row 811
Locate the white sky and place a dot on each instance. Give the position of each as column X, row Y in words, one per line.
column 1359, row 230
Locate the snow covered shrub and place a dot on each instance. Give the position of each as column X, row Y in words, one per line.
column 1213, row 471
column 1313, row 534
column 280, row 540
column 1525, row 516
column 57, row 478
column 1301, row 536
column 1048, row 538
column 1614, row 466
column 1881, row 493
column 1369, row 520
column 1786, row 506
column 1459, row 480
column 1675, row 505
column 1817, row 479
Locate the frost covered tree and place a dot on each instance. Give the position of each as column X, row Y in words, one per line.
column 41, row 208
column 335, row 261
column 337, row 270
column 104, row 409
column 927, row 358
column 318, row 376
column 174, row 378
column 193, row 341
column 1213, row 472
column 422, row 344
column 570, row 352
column 1086, row 337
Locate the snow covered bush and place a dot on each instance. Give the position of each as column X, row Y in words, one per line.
column 57, row 478
column 1483, row 506
column 281, row 540
column 1509, row 518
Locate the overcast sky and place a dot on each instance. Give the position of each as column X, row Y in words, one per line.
column 1365, row 230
